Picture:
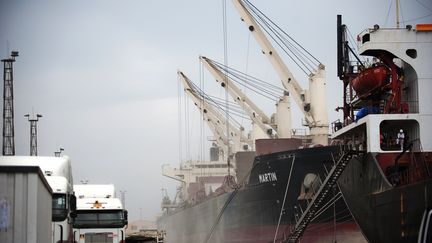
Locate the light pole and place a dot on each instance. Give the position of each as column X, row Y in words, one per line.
column 8, row 108
column 33, row 133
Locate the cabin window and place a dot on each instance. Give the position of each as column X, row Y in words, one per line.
column 99, row 219
column 412, row 53
column 366, row 38
column 396, row 135
column 59, row 209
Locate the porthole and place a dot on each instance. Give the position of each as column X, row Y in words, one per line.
column 412, row 53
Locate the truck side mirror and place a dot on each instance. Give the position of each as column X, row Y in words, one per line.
column 72, row 206
column 125, row 215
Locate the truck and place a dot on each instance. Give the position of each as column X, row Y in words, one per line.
column 58, row 172
column 25, row 205
column 100, row 215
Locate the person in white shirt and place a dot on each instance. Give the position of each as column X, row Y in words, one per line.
column 400, row 138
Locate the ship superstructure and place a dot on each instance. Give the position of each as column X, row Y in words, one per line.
column 387, row 114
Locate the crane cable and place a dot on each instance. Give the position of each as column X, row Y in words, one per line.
column 299, row 55
column 179, row 92
column 256, row 85
column 225, row 41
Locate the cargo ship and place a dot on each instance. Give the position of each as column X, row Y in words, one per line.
column 264, row 190
column 267, row 207
column 369, row 184
column 389, row 188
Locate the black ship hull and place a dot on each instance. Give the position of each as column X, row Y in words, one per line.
column 266, row 208
column 384, row 212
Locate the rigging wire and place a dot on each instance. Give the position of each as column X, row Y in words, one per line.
column 186, row 118
column 201, row 152
column 352, row 43
column 225, row 41
column 220, row 100
column 217, row 104
column 179, row 119
column 256, row 85
column 301, row 57
column 411, row 20
column 341, row 217
column 295, row 60
column 424, row 5
column 244, row 77
column 255, row 10
column 246, row 68
column 284, row 199
column 402, row 16
column 327, row 205
column 388, row 12
column 404, row 21
column 236, row 111
column 307, row 59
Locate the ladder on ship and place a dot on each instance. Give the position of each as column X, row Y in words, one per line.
column 318, row 199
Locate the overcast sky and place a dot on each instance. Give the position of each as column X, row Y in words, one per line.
column 103, row 74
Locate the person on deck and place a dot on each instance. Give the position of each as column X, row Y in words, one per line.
column 400, row 139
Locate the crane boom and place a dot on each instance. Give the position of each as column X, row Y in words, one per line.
column 216, row 122
column 312, row 102
column 258, row 117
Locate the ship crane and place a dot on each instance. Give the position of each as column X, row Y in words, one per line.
column 208, row 117
column 261, row 123
column 215, row 120
column 312, row 102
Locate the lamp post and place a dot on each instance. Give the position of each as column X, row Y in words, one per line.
column 33, row 133
column 8, row 107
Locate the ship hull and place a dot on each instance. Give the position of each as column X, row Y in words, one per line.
column 258, row 212
column 385, row 213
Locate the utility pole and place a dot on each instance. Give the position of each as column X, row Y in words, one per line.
column 8, row 110
column 33, row 133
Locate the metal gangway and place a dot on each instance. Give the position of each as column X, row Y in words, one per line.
column 318, row 199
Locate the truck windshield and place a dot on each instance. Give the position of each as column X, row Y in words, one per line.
column 99, row 219
column 59, row 210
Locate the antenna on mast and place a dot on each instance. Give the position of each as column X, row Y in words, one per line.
column 8, row 110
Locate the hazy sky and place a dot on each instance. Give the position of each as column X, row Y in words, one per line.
column 103, row 74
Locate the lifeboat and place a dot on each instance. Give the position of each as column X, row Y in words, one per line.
column 370, row 79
